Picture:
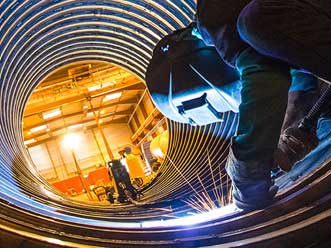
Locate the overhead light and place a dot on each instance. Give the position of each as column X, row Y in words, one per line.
column 158, row 153
column 91, row 114
column 102, row 112
column 39, row 128
column 71, row 140
column 85, row 107
column 100, row 121
column 106, row 84
column 76, row 126
column 95, row 87
column 30, row 141
column 112, row 96
column 51, row 114
column 100, row 86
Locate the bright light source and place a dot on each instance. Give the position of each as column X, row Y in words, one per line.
column 85, row 107
column 76, row 126
column 91, row 114
column 193, row 220
column 112, row 96
column 95, row 87
column 102, row 112
column 106, row 84
column 71, row 140
column 38, row 129
column 158, row 153
column 29, row 133
column 51, row 114
column 100, row 86
column 100, row 121
column 30, row 141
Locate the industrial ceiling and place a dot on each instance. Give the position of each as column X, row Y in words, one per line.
column 78, row 94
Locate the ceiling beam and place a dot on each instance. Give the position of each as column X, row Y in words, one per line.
column 122, row 102
column 154, row 116
column 54, row 137
column 109, row 69
column 39, row 134
column 135, row 84
column 137, row 105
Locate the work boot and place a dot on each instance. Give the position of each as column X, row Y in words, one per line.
column 294, row 144
column 251, row 181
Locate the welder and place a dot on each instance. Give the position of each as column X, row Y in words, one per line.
column 263, row 40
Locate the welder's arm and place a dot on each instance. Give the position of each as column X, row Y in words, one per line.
column 264, row 98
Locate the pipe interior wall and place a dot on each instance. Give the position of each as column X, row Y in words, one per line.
column 39, row 37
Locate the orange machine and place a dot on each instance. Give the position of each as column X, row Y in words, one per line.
column 135, row 166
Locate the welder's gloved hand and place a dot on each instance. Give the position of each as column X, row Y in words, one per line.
column 252, row 184
column 294, row 144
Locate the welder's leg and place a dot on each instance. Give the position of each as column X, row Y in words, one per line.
column 264, row 97
column 295, row 31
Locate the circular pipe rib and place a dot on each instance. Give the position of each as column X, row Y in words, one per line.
column 39, row 37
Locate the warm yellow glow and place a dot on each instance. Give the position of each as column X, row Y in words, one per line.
column 30, row 141
column 38, row 129
column 100, row 121
column 100, row 86
column 158, row 153
column 76, row 126
column 89, row 114
column 71, row 140
column 102, row 112
column 95, row 87
column 159, row 145
column 112, row 96
column 51, row 114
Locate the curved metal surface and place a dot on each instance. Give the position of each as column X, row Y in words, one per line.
column 38, row 37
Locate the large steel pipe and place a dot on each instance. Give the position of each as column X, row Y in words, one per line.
column 38, row 37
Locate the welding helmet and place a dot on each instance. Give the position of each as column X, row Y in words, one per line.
column 189, row 82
